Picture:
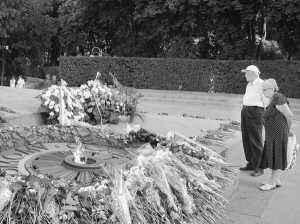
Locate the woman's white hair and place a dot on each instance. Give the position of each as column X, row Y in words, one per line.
column 270, row 83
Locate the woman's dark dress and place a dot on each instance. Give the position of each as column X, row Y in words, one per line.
column 274, row 154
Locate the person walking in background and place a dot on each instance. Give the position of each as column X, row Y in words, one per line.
column 21, row 83
column 54, row 80
column 12, row 82
column 252, row 120
column 48, row 82
column 278, row 121
column 97, row 81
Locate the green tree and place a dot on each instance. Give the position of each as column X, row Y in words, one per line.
column 285, row 23
column 27, row 29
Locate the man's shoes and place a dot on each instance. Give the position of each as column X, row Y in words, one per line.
column 246, row 168
column 257, row 173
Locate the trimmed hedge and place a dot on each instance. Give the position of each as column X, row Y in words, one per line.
column 141, row 73
column 168, row 74
column 228, row 77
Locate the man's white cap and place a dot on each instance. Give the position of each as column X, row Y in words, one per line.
column 251, row 68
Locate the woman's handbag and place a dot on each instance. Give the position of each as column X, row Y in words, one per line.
column 292, row 149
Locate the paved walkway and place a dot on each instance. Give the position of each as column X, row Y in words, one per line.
column 248, row 204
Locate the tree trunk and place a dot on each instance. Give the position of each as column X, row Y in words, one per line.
column 251, row 33
column 264, row 30
column 253, row 40
column 54, row 52
column 3, row 63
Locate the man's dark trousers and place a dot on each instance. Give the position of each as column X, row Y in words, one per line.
column 252, row 125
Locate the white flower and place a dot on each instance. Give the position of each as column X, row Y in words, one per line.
column 32, row 191
column 56, row 92
column 46, row 103
column 44, row 96
column 89, row 189
column 101, row 187
column 105, row 181
column 82, row 189
column 41, row 176
column 101, row 90
column 69, row 114
column 48, row 93
column 5, row 192
column 83, row 87
column 95, row 90
column 51, row 114
column 87, row 95
column 77, row 118
column 56, row 108
column 51, row 104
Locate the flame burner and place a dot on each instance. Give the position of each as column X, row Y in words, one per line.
column 90, row 164
column 61, row 163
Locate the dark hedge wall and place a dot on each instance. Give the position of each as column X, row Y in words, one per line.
column 168, row 74
column 142, row 73
column 228, row 77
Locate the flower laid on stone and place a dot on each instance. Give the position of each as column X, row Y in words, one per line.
column 102, row 104
column 93, row 102
column 171, row 179
column 50, row 103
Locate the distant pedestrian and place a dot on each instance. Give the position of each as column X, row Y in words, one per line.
column 180, row 87
column 12, row 82
column 21, row 82
column 48, row 82
column 278, row 121
column 54, row 79
column 252, row 120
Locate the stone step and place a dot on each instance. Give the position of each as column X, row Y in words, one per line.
column 193, row 102
column 195, row 97
column 218, row 97
column 205, row 101
column 213, row 100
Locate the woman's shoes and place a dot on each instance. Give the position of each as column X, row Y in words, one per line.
column 277, row 183
column 267, row 187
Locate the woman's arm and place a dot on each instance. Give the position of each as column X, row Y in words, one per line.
column 285, row 110
column 264, row 100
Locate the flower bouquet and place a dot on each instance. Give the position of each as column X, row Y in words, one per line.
column 102, row 104
column 93, row 102
column 50, row 103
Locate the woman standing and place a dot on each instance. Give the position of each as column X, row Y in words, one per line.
column 12, row 82
column 21, row 83
column 97, row 81
column 278, row 120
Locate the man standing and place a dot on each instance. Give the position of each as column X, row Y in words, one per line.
column 252, row 120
